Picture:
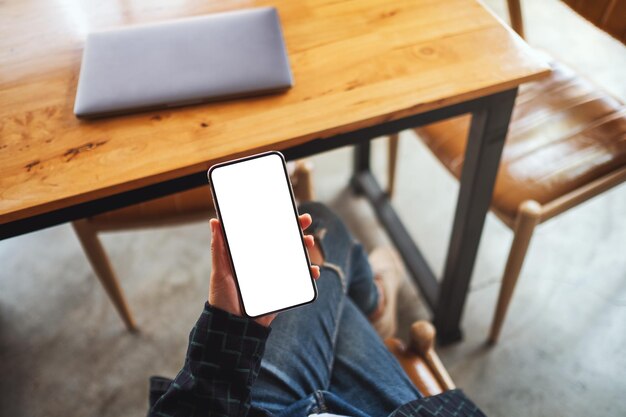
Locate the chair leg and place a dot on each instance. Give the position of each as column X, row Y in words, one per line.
column 515, row 16
column 393, row 159
column 102, row 267
column 528, row 216
column 304, row 190
column 422, row 341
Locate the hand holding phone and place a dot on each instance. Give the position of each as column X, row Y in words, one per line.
column 222, row 287
column 261, row 235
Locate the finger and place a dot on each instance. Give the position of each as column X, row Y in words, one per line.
column 315, row 271
column 305, row 220
column 309, row 241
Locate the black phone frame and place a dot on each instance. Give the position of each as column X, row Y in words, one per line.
column 295, row 211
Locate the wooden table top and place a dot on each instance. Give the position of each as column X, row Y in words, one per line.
column 355, row 64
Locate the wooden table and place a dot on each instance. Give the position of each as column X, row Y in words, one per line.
column 362, row 68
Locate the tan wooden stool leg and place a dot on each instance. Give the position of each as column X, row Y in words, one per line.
column 528, row 216
column 102, row 267
column 391, row 166
column 303, row 175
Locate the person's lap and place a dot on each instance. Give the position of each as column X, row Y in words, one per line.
column 327, row 351
column 365, row 373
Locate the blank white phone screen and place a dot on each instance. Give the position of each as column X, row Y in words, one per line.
column 263, row 235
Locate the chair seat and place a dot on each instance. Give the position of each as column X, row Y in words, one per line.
column 190, row 205
column 564, row 133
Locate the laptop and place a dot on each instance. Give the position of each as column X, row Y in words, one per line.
column 182, row 62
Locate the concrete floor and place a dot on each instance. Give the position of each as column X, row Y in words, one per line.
column 64, row 352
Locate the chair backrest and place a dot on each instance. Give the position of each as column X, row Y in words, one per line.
column 608, row 15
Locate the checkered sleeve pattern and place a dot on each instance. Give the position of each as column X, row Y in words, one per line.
column 223, row 360
column 452, row 403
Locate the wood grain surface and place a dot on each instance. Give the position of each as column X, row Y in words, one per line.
column 355, row 64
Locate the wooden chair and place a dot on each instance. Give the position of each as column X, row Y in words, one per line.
column 420, row 361
column 566, row 144
column 185, row 207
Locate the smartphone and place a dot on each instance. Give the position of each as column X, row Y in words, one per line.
column 255, row 204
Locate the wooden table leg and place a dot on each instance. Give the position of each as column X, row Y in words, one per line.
column 482, row 157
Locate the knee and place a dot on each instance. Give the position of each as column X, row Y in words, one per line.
column 317, row 210
column 323, row 218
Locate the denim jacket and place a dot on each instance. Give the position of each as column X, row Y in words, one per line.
column 223, row 360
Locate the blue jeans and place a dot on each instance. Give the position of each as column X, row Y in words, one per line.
column 326, row 357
